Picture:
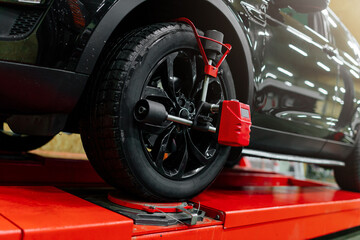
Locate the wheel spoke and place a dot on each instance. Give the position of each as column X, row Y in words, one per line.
column 158, row 94
column 160, row 147
column 154, row 129
column 170, row 80
column 193, row 76
column 218, row 98
column 184, row 155
column 195, row 151
column 154, row 92
column 217, row 82
column 193, row 70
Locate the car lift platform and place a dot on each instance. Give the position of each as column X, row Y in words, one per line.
column 41, row 197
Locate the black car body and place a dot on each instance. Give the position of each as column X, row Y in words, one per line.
column 296, row 67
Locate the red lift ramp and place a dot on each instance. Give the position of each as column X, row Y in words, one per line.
column 278, row 206
column 45, row 212
column 8, row 230
column 243, row 203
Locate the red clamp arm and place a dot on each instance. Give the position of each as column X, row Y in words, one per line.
column 209, row 69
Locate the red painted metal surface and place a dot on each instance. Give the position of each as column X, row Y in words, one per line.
column 49, row 213
column 249, row 204
column 8, row 230
column 253, row 205
column 280, row 212
column 235, row 123
column 205, row 233
column 296, row 228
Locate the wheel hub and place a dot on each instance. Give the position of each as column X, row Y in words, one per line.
column 187, row 108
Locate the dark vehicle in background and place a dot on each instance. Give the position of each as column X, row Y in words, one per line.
column 81, row 66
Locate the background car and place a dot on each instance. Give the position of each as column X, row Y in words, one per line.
column 81, row 66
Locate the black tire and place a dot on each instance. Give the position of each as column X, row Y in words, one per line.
column 348, row 177
column 234, row 157
column 124, row 151
column 12, row 142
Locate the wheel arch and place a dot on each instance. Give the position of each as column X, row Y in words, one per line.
column 126, row 15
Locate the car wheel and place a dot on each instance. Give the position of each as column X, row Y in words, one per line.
column 170, row 162
column 348, row 177
column 12, row 142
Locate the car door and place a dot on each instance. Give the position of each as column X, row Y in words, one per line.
column 294, row 96
column 346, row 96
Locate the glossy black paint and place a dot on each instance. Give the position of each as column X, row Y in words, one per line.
column 303, row 88
column 37, row 93
column 299, row 72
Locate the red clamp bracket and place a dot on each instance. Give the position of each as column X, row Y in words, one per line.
column 209, row 69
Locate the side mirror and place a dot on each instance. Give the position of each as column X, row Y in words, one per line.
column 304, row 6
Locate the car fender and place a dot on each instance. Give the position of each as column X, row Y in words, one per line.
column 122, row 8
column 103, row 32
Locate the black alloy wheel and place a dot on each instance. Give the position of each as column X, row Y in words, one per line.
column 166, row 162
column 170, row 147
